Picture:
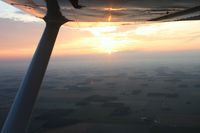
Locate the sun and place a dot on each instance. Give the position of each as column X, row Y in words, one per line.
column 107, row 44
column 104, row 40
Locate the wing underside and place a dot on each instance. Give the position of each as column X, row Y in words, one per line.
column 117, row 10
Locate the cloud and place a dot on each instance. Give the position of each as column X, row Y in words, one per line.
column 9, row 12
column 18, row 16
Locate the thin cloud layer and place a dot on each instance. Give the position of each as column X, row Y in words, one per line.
column 9, row 12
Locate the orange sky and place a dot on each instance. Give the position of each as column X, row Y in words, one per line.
column 19, row 39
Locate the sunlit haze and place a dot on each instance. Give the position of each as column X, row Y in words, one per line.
column 21, row 32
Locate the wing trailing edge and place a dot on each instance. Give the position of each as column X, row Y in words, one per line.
column 188, row 14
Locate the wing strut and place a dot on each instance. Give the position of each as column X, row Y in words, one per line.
column 20, row 112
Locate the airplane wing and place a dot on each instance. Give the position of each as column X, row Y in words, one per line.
column 187, row 14
column 117, row 10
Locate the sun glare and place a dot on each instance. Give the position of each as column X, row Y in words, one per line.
column 112, row 39
column 109, row 18
column 146, row 30
column 106, row 43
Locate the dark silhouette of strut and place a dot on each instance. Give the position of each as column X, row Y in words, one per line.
column 18, row 118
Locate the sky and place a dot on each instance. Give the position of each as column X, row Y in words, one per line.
column 21, row 32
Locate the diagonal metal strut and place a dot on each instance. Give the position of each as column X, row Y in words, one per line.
column 21, row 109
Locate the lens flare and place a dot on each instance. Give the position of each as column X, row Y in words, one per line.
column 109, row 18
